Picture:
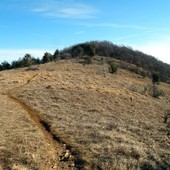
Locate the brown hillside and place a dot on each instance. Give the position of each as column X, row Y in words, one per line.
column 64, row 115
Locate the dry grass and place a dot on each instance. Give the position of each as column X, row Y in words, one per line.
column 18, row 136
column 24, row 144
column 112, row 120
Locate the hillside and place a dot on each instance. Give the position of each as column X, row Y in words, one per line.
column 123, row 53
column 66, row 115
column 106, row 49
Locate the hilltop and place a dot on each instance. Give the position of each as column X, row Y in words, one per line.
column 123, row 53
column 135, row 61
column 67, row 115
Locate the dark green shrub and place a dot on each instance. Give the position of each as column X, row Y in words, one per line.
column 5, row 65
column 112, row 68
column 156, row 78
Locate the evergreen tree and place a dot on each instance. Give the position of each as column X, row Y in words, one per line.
column 156, row 78
column 27, row 60
column 5, row 65
column 47, row 57
column 56, row 55
column 16, row 64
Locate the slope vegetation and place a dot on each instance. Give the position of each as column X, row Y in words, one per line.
column 106, row 121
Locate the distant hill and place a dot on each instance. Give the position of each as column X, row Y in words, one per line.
column 126, row 54
column 135, row 61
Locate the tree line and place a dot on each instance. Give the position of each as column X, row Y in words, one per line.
column 29, row 60
column 98, row 48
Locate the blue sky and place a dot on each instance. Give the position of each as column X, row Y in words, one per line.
column 37, row 26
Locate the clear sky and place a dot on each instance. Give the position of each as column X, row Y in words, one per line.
column 37, row 26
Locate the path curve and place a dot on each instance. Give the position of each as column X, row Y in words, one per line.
column 53, row 139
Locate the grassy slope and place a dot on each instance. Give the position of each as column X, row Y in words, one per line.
column 24, row 144
column 17, row 133
column 112, row 120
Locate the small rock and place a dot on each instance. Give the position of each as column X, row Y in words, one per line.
column 71, row 158
column 61, row 158
column 73, row 164
column 67, row 155
column 67, row 151
column 65, row 146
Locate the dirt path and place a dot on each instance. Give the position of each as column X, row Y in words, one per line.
column 52, row 152
column 57, row 147
column 22, row 144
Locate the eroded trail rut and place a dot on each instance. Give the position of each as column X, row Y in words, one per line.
column 54, row 141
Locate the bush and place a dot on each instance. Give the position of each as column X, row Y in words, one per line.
column 88, row 60
column 156, row 78
column 158, row 93
column 155, row 92
column 146, row 166
column 65, row 56
column 112, row 68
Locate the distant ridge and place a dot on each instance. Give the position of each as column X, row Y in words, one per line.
column 126, row 54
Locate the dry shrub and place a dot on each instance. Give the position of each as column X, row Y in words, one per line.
column 146, row 165
column 125, row 151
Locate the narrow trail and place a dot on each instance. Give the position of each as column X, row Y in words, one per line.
column 37, row 119
column 53, row 139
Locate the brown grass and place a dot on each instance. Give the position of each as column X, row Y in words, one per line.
column 17, row 137
column 112, row 121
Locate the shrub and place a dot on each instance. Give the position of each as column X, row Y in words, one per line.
column 88, row 60
column 156, row 78
column 158, row 93
column 65, row 56
column 112, row 68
